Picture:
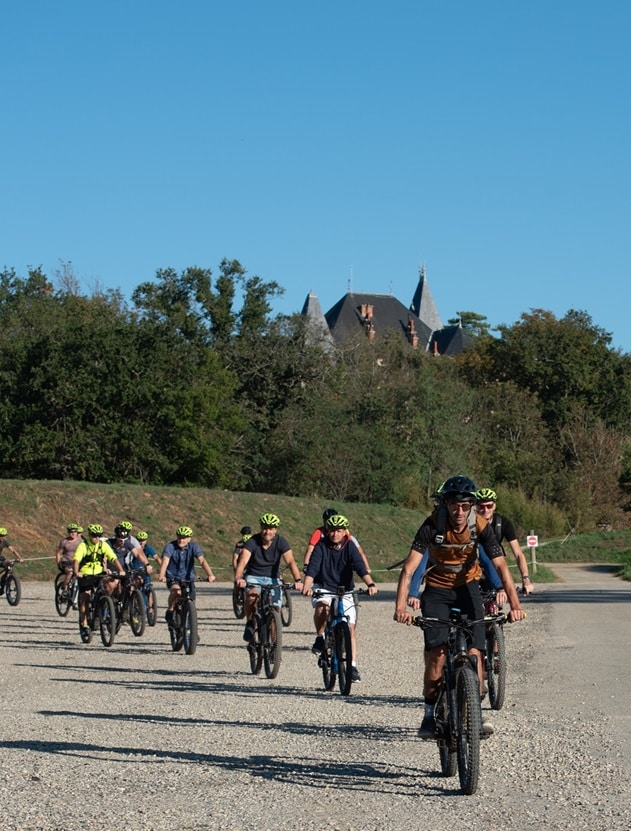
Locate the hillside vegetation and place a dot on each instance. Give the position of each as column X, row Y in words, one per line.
column 36, row 513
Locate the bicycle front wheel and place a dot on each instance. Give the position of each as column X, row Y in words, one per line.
column 13, row 589
column 496, row 662
column 286, row 610
column 175, row 630
column 137, row 616
column 189, row 627
column 63, row 596
column 344, row 657
column 273, row 646
column 446, row 748
column 107, row 619
column 469, row 726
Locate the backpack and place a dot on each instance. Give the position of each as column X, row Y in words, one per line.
column 439, row 539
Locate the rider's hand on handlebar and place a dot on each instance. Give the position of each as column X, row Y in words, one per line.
column 403, row 617
column 516, row 614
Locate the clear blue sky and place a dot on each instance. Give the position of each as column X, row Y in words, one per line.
column 327, row 141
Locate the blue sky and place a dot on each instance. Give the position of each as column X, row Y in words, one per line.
column 327, row 145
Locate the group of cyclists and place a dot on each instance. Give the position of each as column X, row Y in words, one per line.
column 456, row 547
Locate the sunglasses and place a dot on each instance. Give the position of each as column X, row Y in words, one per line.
column 485, row 506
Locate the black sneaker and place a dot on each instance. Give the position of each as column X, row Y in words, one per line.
column 318, row 645
column 248, row 633
column 427, row 730
column 168, row 616
column 355, row 676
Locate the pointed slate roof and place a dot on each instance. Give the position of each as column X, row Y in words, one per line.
column 423, row 304
column 451, row 340
column 345, row 319
column 319, row 330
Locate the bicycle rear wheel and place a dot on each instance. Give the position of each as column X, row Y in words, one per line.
column 273, row 646
column 63, row 595
column 189, row 627
column 329, row 675
column 446, row 749
column 344, row 657
column 496, row 663
column 255, row 647
column 175, row 630
column 107, row 619
column 286, row 610
column 238, row 602
column 13, row 589
column 137, row 616
column 469, row 725
column 151, row 602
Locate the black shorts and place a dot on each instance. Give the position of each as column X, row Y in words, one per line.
column 436, row 602
column 88, row 581
column 176, row 581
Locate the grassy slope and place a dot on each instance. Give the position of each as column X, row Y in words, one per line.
column 35, row 514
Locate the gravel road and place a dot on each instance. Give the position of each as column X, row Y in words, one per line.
column 137, row 737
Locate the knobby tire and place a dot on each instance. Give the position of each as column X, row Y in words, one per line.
column 151, row 602
column 344, row 656
column 496, row 665
column 469, row 726
column 273, row 646
column 286, row 610
column 107, row 619
column 175, row 630
column 189, row 627
column 238, row 602
column 327, row 656
column 255, row 647
column 446, row 749
column 137, row 616
column 63, row 597
column 13, row 589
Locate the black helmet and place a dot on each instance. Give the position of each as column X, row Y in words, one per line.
column 245, row 530
column 458, row 489
column 329, row 512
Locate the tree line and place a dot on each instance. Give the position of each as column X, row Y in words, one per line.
column 195, row 382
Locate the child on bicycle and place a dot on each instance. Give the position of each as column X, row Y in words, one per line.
column 178, row 564
column 333, row 562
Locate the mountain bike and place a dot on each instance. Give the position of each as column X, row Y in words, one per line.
column 495, row 651
column 266, row 647
column 151, row 601
column 336, row 657
column 457, row 712
column 101, row 610
column 286, row 609
column 183, row 623
column 10, row 584
column 65, row 596
column 129, row 602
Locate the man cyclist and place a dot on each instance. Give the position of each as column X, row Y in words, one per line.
column 128, row 549
column 259, row 565
column 332, row 564
column 65, row 552
column 451, row 534
column 178, row 564
column 5, row 546
column 91, row 560
column 504, row 530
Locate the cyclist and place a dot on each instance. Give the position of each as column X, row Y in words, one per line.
column 504, row 530
column 148, row 550
column 246, row 533
column 65, row 552
column 451, row 533
column 5, row 545
column 259, row 565
column 128, row 549
column 332, row 563
column 178, row 564
column 319, row 534
column 91, row 560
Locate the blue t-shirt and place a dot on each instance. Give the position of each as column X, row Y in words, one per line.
column 182, row 560
column 265, row 562
column 333, row 567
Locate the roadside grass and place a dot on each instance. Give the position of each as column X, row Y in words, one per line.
column 35, row 514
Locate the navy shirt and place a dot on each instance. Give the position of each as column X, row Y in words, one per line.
column 265, row 562
column 332, row 567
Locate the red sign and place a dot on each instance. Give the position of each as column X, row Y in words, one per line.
column 532, row 541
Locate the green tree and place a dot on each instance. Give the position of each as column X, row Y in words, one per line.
column 475, row 324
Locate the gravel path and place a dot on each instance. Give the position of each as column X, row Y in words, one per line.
column 137, row 737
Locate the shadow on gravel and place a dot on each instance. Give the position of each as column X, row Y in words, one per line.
column 560, row 595
column 318, row 773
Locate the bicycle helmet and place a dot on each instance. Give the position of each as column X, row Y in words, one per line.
column 95, row 530
column 246, row 531
column 142, row 535
column 486, row 495
column 184, row 531
column 127, row 526
column 269, row 521
column 3, row 532
column 329, row 512
column 121, row 532
column 72, row 526
column 336, row 521
column 458, row 489
column 246, row 537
